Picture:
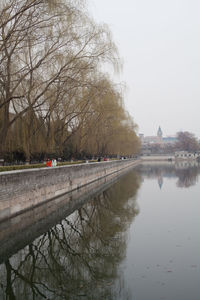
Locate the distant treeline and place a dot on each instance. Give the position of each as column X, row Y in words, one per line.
column 55, row 100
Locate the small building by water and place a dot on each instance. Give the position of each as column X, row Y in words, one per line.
column 185, row 155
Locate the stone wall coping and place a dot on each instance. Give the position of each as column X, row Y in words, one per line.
column 65, row 166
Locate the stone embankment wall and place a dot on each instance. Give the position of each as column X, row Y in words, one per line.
column 21, row 190
column 23, row 228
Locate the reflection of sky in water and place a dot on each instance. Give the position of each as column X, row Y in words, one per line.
column 163, row 254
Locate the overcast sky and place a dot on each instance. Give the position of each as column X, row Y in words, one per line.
column 159, row 42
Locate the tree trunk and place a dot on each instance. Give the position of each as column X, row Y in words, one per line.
column 4, row 129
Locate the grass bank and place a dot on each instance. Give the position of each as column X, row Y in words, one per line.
column 33, row 166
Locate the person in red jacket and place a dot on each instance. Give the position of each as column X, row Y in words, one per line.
column 48, row 163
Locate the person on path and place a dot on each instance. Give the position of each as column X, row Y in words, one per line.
column 48, row 163
column 54, row 162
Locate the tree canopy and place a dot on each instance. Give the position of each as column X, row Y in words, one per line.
column 53, row 96
column 187, row 141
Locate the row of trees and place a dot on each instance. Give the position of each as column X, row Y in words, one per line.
column 54, row 97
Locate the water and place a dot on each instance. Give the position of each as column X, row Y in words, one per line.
column 135, row 239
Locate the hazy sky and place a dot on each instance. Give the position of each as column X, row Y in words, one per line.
column 159, row 42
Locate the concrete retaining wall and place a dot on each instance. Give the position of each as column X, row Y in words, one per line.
column 21, row 190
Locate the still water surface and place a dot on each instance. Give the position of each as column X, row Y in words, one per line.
column 138, row 239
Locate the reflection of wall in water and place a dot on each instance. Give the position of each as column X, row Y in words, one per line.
column 80, row 255
column 15, row 232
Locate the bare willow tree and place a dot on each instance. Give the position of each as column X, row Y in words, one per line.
column 50, row 53
column 46, row 51
column 108, row 129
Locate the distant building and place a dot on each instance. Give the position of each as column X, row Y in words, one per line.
column 159, row 134
column 169, row 139
column 151, row 140
column 157, row 139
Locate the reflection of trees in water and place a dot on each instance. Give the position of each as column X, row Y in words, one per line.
column 187, row 173
column 78, row 257
column 187, row 177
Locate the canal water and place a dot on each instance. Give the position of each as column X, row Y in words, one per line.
column 137, row 238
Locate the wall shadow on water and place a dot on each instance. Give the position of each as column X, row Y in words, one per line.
column 187, row 173
column 77, row 258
